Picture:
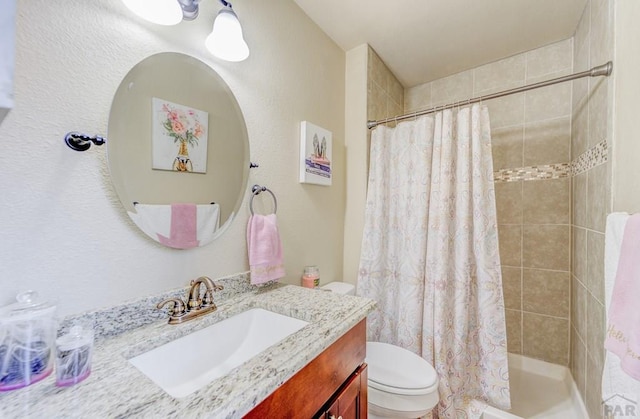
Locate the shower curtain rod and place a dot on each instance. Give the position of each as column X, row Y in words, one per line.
column 601, row 70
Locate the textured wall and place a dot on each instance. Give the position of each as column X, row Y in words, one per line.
column 625, row 189
column 356, row 153
column 63, row 229
column 530, row 131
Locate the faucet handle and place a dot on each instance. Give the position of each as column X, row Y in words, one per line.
column 208, row 294
column 178, row 308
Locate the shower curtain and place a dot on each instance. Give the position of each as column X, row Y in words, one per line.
column 430, row 255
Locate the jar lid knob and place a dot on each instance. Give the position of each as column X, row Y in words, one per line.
column 27, row 297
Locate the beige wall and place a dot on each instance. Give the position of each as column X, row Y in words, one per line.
column 626, row 147
column 591, row 201
column 534, row 216
column 356, row 152
column 65, row 233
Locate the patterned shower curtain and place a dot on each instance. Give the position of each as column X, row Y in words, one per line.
column 430, row 255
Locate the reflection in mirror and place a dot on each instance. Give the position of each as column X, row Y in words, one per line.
column 178, row 149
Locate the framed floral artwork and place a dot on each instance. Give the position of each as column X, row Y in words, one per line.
column 179, row 137
column 315, row 154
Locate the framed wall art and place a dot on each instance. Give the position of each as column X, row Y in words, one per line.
column 315, row 154
column 179, row 137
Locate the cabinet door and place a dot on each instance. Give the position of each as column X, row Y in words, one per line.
column 308, row 392
column 351, row 401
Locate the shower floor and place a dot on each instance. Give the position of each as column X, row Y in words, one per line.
column 540, row 390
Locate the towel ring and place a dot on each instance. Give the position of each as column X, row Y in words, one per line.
column 257, row 190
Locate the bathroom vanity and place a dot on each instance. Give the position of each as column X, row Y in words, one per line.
column 318, row 371
column 332, row 385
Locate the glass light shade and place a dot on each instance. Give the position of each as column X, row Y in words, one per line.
column 226, row 41
column 162, row 12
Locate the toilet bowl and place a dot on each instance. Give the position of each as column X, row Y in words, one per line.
column 400, row 383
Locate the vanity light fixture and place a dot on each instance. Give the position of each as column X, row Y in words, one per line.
column 162, row 12
column 225, row 41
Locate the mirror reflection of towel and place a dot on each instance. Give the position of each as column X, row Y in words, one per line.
column 264, row 248
column 183, row 227
column 173, row 225
column 208, row 222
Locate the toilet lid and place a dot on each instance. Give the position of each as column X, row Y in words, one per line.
column 397, row 370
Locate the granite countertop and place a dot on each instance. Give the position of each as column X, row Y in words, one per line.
column 116, row 389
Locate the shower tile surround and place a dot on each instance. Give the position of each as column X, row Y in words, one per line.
column 591, row 158
column 532, row 170
column 552, row 185
column 591, row 199
column 385, row 94
column 552, row 179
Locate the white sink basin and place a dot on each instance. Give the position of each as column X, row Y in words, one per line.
column 184, row 365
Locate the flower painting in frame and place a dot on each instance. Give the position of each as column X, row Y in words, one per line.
column 315, row 154
column 179, row 137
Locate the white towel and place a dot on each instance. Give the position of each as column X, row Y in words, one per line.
column 7, row 52
column 208, row 222
column 156, row 219
column 618, row 389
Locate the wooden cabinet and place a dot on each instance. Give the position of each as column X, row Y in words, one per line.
column 351, row 400
column 336, row 376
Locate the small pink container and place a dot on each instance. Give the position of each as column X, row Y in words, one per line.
column 311, row 277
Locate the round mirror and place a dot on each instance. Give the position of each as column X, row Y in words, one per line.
column 178, row 150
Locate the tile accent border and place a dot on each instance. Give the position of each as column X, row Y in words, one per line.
column 542, row 172
column 591, row 158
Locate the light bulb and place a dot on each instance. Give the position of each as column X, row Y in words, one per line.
column 226, row 41
column 162, row 12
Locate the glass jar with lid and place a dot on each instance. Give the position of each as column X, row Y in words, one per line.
column 27, row 337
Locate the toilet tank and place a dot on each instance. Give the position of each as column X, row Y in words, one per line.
column 340, row 288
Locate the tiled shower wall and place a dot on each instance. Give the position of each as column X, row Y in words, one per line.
column 531, row 140
column 385, row 94
column 551, row 231
column 591, row 202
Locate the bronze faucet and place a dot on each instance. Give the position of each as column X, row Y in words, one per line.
column 195, row 306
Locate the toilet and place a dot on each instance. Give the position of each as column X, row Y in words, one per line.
column 406, row 387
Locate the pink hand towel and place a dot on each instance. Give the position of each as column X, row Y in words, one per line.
column 183, row 227
column 623, row 331
column 264, row 248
